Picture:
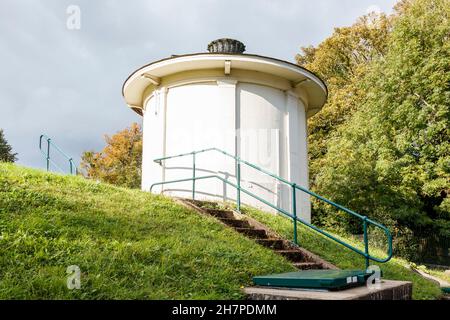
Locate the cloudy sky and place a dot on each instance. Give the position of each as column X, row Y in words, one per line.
column 67, row 83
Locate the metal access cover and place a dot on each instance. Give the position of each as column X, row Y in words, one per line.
column 315, row 279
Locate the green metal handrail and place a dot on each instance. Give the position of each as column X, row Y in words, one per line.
column 72, row 168
column 293, row 215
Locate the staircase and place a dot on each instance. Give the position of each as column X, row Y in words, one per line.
column 257, row 233
column 314, row 272
column 299, row 257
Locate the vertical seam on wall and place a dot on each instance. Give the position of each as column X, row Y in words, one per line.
column 165, row 91
column 287, row 142
column 237, row 124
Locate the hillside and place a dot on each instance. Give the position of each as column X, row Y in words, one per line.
column 133, row 245
column 128, row 244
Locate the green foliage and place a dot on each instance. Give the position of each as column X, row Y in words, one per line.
column 389, row 158
column 120, row 162
column 341, row 60
column 395, row 269
column 128, row 244
column 6, row 153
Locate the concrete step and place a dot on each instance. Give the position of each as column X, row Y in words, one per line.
column 221, row 214
column 275, row 244
column 292, row 255
column 253, row 233
column 307, row 265
column 204, row 204
column 235, row 223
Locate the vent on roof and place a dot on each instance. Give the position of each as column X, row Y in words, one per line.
column 226, row 45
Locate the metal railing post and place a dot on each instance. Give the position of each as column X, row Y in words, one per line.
column 238, row 189
column 49, row 162
column 366, row 242
column 70, row 165
column 193, row 175
column 294, row 212
column 48, row 154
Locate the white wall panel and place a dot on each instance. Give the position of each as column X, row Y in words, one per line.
column 263, row 125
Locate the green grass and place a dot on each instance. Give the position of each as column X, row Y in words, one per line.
column 395, row 269
column 133, row 245
column 128, row 244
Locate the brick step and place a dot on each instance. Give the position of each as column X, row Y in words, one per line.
column 292, row 255
column 236, row 223
column 274, row 244
column 307, row 265
column 221, row 214
column 253, row 233
column 204, row 204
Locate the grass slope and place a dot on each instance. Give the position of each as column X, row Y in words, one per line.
column 344, row 258
column 127, row 243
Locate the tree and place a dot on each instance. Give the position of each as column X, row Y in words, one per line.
column 391, row 159
column 6, row 154
column 341, row 60
column 119, row 162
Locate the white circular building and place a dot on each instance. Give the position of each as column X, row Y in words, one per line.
column 250, row 106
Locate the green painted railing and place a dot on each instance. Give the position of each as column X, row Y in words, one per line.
column 292, row 215
column 46, row 153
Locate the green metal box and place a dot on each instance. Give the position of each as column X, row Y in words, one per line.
column 315, row 279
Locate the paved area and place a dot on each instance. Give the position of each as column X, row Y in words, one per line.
column 389, row 290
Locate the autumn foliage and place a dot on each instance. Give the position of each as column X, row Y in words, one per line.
column 119, row 163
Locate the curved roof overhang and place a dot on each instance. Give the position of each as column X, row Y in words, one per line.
column 152, row 74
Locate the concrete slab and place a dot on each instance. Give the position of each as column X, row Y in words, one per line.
column 389, row 290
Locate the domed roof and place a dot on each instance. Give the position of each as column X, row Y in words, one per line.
column 223, row 53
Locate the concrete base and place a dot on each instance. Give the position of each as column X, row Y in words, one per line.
column 389, row 290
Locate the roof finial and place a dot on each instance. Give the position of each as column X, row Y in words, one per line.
column 226, row 45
